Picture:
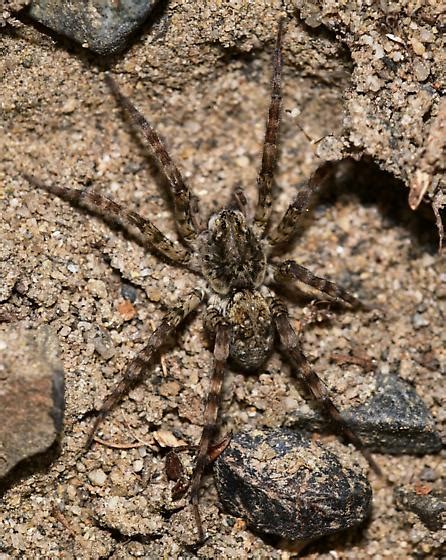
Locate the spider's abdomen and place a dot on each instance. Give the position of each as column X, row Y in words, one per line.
column 252, row 332
column 232, row 256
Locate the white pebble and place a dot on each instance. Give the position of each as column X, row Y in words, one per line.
column 138, row 465
column 97, row 477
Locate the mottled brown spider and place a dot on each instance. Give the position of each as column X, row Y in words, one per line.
column 232, row 258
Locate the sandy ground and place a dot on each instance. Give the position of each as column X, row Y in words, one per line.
column 67, row 269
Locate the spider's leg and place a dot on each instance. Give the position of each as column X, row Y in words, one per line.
column 106, row 207
column 285, row 230
column 291, row 344
column 269, row 155
column 289, row 270
column 221, row 352
column 184, row 206
column 140, row 364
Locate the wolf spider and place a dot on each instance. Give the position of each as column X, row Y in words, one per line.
column 231, row 257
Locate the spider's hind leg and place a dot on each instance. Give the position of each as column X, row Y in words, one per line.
column 291, row 345
column 205, row 448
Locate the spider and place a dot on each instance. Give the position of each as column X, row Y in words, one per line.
column 232, row 258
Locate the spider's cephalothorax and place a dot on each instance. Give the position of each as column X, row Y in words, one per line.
column 232, row 256
column 243, row 311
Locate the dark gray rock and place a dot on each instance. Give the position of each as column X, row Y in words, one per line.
column 393, row 420
column 286, row 485
column 430, row 508
column 128, row 292
column 31, row 396
column 100, row 25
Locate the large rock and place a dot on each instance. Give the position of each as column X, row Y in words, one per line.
column 31, row 395
column 284, row 484
column 100, row 25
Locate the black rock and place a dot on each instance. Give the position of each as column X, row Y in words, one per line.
column 100, row 25
column 430, row 508
column 395, row 420
column 286, row 485
column 128, row 292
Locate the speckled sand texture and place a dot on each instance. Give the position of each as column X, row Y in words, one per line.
column 201, row 73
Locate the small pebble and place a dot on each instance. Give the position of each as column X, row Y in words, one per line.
column 138, row 465
column 127, row 310
column 128, row 292
column 429, row 475
column 419, row 321
column 97, row 477
column 103, row 344
column 394, row 419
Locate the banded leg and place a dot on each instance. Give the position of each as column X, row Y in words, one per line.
column 290, row 270
column 138, row 366
column 221, row 352
column 269, row 155
column 290, row 342
column 291, row 220
column 106, row 207
column 183, row 204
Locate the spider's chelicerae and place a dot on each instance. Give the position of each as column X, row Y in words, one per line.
column 236, row 276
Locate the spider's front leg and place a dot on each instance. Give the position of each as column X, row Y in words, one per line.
column 291, row 344
column 109, row 209
column 185, row 204
column 291, row 221
column 270, row 150
column 140, row 364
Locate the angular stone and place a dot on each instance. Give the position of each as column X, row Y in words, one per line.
column 31, row 394
column 395, row 420
column 430, row 507
column 284, row 484
column 100, row 25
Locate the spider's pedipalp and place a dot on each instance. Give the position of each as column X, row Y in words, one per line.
column 184, row 205
column 152, row 236
column 139, row 365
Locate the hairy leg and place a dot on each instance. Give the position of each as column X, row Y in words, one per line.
column 269, row 156
column 183, row 204
column 221, row 352
column 284, row 232
column 137, row 368
column 291, row 345
column 106, row 207
column 289, row 270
